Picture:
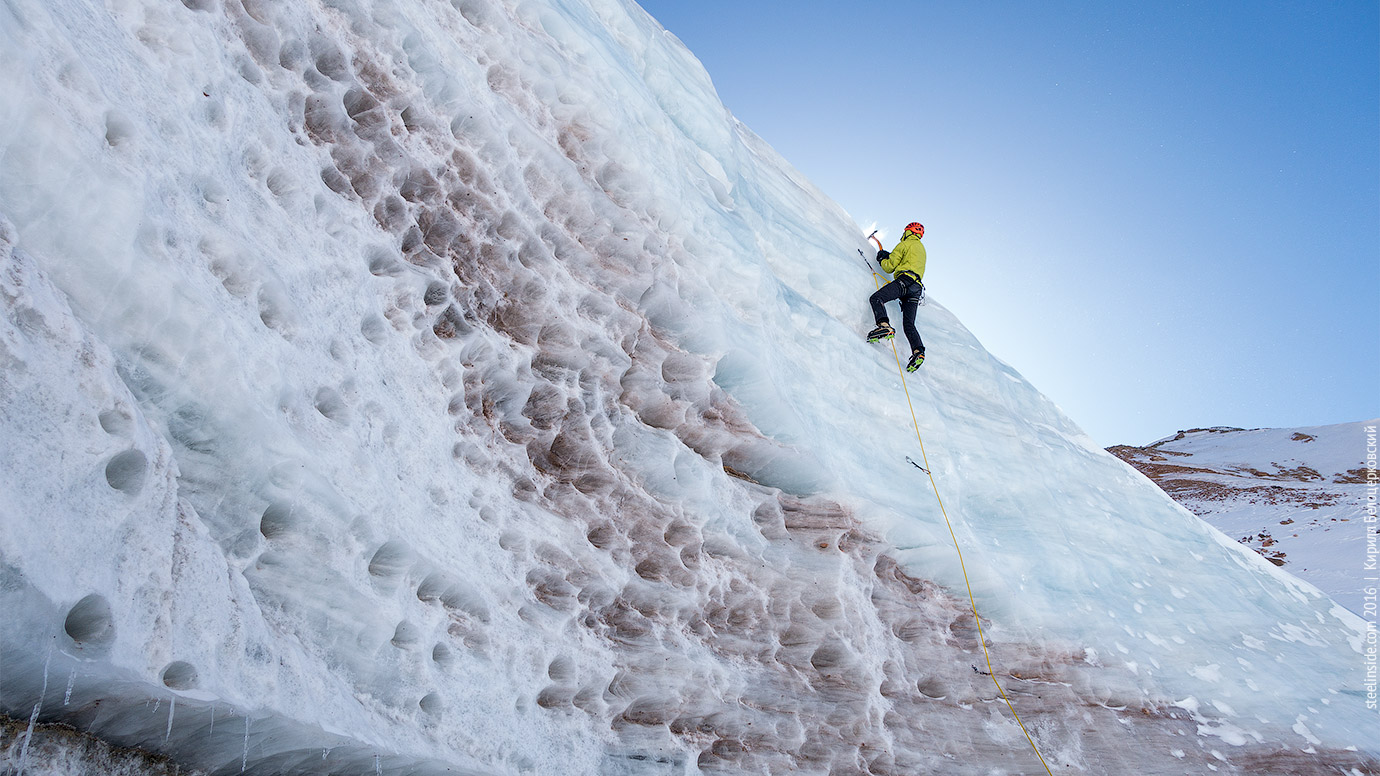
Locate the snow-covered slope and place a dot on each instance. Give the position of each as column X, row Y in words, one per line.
column 411, row 386
column 1297, row 496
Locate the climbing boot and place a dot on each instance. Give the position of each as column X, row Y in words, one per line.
column 882, row 332
column 916, row 359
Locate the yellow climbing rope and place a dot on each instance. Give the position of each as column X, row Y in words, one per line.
column 971, row 600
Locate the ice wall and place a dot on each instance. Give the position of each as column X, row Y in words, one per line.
column 457, row 387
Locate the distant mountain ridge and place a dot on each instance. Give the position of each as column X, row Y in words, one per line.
column 1297, row 496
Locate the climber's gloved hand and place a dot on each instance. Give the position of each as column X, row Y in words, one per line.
column 883, row 256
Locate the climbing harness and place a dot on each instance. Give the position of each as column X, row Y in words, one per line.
column 972, row 601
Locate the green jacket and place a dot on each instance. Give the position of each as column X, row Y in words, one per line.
column 907, row 256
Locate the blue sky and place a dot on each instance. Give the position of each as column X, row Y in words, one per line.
column 1165, row 215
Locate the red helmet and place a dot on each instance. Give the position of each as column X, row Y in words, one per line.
column 917, row 227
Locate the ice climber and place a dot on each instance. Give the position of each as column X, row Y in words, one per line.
column 906, row 263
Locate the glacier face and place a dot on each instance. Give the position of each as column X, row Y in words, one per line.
column 425, row 386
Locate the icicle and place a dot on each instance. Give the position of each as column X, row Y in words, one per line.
column 33, row 718
column 244, row 763
column 172, row 707
column 156, row 704
column 71, row 680
column 212, row 731
column 378, row 770
column 28, row 736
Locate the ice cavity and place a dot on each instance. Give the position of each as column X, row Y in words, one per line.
column 457, row 387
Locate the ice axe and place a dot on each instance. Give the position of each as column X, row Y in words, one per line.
column 875, row 241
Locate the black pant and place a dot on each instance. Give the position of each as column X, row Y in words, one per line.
column 907, row 289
